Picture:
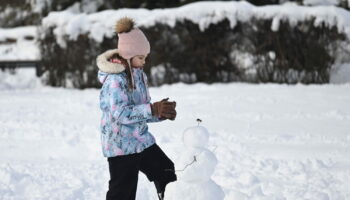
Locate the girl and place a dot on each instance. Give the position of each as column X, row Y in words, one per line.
column 126, row 110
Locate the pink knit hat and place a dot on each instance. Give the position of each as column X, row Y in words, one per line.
column 132, row 41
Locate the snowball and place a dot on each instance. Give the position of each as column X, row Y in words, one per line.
column 200, row 170
column 196, row 136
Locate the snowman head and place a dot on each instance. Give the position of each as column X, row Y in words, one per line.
column 196, row 137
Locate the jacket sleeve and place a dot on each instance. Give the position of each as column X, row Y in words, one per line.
column 121, row 109
column 154, row 118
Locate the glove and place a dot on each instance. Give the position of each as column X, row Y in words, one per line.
column 164, row 109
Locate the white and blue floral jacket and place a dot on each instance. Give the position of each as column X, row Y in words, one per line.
column 125, row 113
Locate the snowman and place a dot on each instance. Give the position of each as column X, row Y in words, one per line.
column 197, row 164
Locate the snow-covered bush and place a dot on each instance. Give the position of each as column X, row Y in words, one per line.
column 73, row 66
column 250, row 51
column 203, row 42
column 30, row 12
column 17, row 13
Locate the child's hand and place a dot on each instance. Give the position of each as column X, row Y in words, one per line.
column 166, row 99
column 164, row 109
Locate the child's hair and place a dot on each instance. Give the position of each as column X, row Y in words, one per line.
column 127, row 70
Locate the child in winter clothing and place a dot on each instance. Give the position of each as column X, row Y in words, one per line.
column 126, row 109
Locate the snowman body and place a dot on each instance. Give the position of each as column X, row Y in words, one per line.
column 198, row 162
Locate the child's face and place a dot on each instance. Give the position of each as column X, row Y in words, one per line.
column 138, row 61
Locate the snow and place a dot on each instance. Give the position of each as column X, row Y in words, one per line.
column 321, row 2
column 340, row 73
column 19, row 79
column 100, row 24
column 196, row 136
column 18, row 32
column 270, row 141
column 39, row 5
column 22, row 46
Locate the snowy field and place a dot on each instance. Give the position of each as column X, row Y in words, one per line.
column 273, row 142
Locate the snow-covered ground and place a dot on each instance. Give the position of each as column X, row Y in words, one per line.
column 275, row 142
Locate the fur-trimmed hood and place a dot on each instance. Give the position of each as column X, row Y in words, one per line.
column 107, row 66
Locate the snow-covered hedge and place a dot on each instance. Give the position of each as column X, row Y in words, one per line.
column 204, row 41
column 15, row 13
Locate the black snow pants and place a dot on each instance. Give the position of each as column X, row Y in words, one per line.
column 124, row 172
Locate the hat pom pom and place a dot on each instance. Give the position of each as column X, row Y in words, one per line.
column 124, row 25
